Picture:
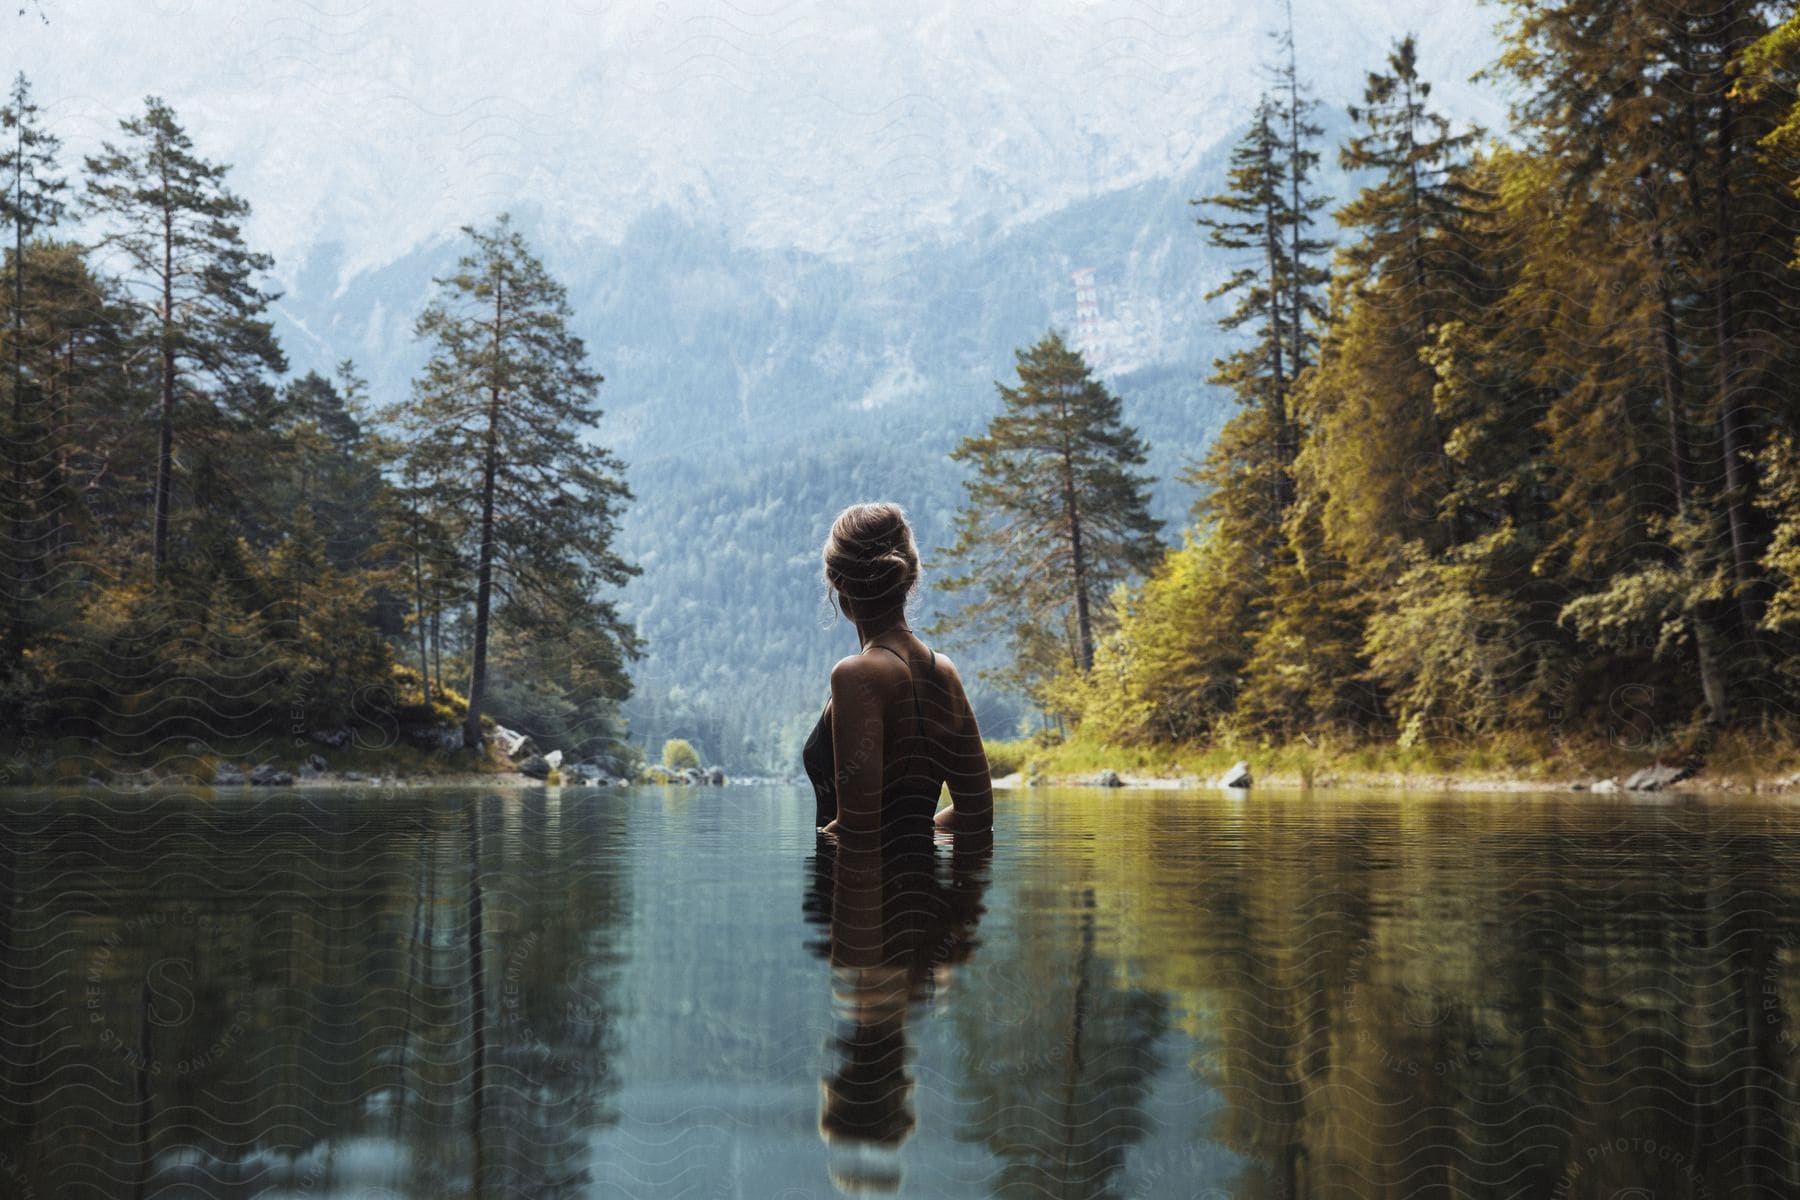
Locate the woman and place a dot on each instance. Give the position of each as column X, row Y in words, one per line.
column 898, row 725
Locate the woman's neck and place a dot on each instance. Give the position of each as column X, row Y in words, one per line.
column 869, row 632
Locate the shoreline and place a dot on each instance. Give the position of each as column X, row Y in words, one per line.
column 1718, row 761
column 1699, row 784
column 1739, row 766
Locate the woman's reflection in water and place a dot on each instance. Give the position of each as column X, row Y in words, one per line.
column 899, row 920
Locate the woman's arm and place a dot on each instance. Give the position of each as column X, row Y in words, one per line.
column 971, row 808
column 856, row 746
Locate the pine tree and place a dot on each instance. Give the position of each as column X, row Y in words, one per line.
column 32, row 201
column 1054, row 516
column 331, row 461
column 496, row 421
column 419, row 549
column 1415, row 264
column 168, row 215
column 1248, row 473
column 78, row 338
column 1422, row 192
column 1303, row 274
column 1253, row 219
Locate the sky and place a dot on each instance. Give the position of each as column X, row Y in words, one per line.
column 834, row 127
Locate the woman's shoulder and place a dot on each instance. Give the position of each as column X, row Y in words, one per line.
column 890, row 671
column 866, row 670
column 945, row 670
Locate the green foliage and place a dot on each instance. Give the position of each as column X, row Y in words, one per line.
column 1781, row 498
column 32, row 195
column 444, row 706
column 201, row 657
column 678, row 754
column 1008, row 758
column 1304, row 671
column 206, row 555
column 1422, row 192
column 1535, row 441
column 537, row 688
column 1771, row 75
column 1169, row 670
column 1247, row 469
column 1452, row 654
column 1175, row 673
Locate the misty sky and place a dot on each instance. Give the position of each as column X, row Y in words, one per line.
column 832, row 126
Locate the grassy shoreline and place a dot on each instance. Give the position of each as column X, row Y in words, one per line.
column 1734, row 761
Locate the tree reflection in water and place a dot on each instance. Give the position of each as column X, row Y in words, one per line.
column 1561, row 997
column 1295, row 996
column 376, row 995
column 1061, row 1057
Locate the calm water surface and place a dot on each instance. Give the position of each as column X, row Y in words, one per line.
column 671, row 992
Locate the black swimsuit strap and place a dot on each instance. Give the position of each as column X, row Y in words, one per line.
column 918, row 709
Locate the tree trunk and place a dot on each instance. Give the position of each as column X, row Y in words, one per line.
column 16, row 623
column 60, row 531
column 419, row 615
column 165, row 421
column 1272, row 258
column 1712, row 681
column 1739, row 477
column 484, row 576
column 1084, row 627
column 1418, row 319
column 484, row 591
column 437, row 638
column 1297, row 292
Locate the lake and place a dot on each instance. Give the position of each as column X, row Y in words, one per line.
column 682, row 992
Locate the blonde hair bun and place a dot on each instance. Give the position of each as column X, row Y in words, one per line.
column 870, row 558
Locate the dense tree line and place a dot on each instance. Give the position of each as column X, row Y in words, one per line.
column 1527, row 450
column 198, row 547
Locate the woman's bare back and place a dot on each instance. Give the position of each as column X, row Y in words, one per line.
column 927, row 738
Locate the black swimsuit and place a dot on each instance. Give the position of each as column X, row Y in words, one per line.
column 909, row 789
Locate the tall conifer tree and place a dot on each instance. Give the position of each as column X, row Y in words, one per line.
column 1266, row 219
column 167, row 215
column 1055, row 515
column 498, row 419
column 32, row 201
